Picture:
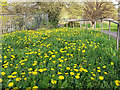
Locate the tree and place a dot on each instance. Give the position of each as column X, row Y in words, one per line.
column 74, row 9
column 98, row 10
column 53, row 9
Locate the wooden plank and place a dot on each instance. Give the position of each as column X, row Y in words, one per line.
column 22, row 14
column 95, row 25
column 118, row 28
column 109, row 30
column 1, row 24
column 66, row 24
column 73, row 24
column 112, row 21
column 80, row 24
column 70, row 24
column 85, row 24
column 101, row 26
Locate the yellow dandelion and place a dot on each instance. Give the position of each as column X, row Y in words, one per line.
column 34, row 73
column 53, row 81
column 71, row 73
column 105, row 73
column 92, row 78
column 35, row 87
column 98, row 71
column 77, row 77
column 5, row 57
column 53, row 75
column 25, row 78
column 98, row 67
column 54, row 61
column 112, row 63
column 3, row 73
column 117, row 82
column 14, row 73
column 45, row 69
column 61, row 77
column 30, row 69
column 18, row 79
column 52, row 69
column 59, row 73
column 104, row 66
column 68, row 68
column 83, row 51
column 0, row 80
column 93, row 74
column 66, row 73
column 10, row 84
column 53, row 56
column 40, row 70
column 101, row 77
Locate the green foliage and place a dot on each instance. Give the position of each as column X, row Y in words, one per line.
column 19, row 22
column 58, row 52
column 98, row 10
column 36, row 22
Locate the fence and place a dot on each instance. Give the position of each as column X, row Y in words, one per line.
column 110, row 21
column 12, row 22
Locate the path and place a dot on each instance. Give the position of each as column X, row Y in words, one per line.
column 112, row 33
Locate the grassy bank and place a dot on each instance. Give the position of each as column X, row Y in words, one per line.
column 56, row 58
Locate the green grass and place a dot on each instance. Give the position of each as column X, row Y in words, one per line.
column 50, row 53
column 113, row 26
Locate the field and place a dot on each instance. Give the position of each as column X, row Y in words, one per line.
column 113, row 26
column 59, row 58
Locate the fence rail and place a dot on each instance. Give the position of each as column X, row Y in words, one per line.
column 12, row 22
column 110, row 21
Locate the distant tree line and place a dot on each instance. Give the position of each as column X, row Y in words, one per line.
column 85, row 10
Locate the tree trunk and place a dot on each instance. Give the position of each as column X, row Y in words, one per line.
column 93, row 24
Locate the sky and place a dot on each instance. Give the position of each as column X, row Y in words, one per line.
column 115, row 2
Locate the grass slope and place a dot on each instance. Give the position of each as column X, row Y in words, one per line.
column 59, row 58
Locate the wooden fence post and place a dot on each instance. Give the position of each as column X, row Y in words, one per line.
column 109, row 30
column 24, row 19
column 73, row 24
column 101, row 26
column 66, row 24
column 95, row 25
column 85, row 24
column 70, row 24
column 118, row 36
column 80, row 24
column 1, row 25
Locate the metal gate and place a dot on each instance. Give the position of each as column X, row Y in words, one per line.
column 13, row 22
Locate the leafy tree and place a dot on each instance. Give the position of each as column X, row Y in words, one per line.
column 74, row 9
column 98, row 10
column 53, row 9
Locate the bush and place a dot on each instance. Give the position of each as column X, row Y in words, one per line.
column 35, row 23
column 19, row 22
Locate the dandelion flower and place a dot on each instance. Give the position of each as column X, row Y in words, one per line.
column 101, row 77
column 61, row 77
column 117, row 82
column 10, row 84
column 92, row 78
column 77, row 77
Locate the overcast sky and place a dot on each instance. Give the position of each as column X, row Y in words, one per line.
column 114, row 1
